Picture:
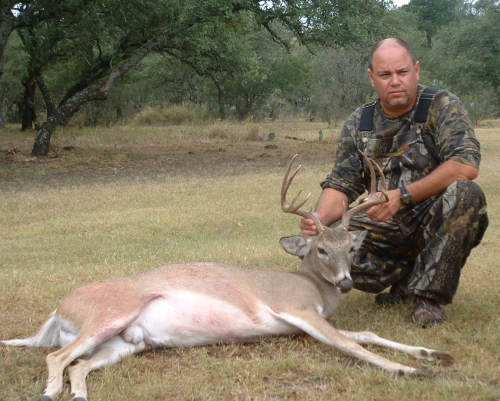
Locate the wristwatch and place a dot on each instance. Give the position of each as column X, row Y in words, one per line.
column 406, row 196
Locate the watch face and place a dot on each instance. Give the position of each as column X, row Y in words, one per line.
column 406, row 199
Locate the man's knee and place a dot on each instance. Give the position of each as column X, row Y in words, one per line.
column 468, row 193
column 463, row 198
column 464, row 208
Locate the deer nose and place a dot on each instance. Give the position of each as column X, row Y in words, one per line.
column 345, row 285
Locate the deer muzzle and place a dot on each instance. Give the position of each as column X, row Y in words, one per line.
column 345, row 285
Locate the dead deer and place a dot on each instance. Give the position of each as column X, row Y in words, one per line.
column 200, row 303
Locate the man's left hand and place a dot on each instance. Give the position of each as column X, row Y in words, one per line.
column 384, row 211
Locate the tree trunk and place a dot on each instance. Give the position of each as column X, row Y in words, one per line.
column 2, row 121
column 428, row 37
column 42, row 139
column 221, row 96
column 61, row 114
column 28, row 111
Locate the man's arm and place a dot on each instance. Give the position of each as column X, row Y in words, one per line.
column 458, row 147
column 332, row 203
column 432, row 184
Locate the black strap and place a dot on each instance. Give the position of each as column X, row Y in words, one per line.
column 424, row 103
column 366, row 122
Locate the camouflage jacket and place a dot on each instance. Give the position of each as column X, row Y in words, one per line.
column 398, row 147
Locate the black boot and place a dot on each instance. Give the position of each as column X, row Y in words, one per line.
column 396, row 294
column 427, row 312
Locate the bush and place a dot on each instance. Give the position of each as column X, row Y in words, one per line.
column 481, row 104
column 171, row 115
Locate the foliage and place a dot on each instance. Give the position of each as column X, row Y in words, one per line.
column 340, row 83
column 432, row 15
column 88, row 49
column 474, row 49
column 172, row 115
column 241, row 59
column 11, row 82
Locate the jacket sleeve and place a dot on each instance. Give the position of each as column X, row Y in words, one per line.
column 347, row 174
column 453, row 132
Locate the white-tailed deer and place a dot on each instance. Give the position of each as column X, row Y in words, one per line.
column 207, row 303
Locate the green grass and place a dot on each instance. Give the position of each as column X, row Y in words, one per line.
column 126, row 199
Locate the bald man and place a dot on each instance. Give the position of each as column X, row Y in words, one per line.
column 418, row 241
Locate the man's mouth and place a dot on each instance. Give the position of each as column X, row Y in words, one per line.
column 396, row 92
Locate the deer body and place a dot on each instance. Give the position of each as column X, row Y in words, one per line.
column 207, row 303
column 189, row 304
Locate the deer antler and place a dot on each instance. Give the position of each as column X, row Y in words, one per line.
column 372, row 199
column 292, row 207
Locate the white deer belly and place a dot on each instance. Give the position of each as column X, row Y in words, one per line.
column 186, row 318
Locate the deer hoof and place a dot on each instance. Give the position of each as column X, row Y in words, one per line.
column 445, row 358
column 423, row 371
column 45, row 398
column 79, row 399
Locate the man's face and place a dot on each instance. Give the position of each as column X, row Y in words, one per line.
column 395, row 78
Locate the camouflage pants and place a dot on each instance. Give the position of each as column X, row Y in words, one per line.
column 423, row 248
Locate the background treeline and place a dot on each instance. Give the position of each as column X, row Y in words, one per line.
column 162, row 62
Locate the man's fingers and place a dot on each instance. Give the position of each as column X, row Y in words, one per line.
column 308, row 227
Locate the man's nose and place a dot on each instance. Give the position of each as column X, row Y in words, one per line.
column 395, row 80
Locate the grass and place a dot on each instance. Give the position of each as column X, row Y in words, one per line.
column 113, row 201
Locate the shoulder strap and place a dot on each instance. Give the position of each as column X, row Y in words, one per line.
column 366, row 121
column 425, row 101
column 420, row 117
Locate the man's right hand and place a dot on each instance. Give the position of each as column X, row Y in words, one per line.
column 308, row 227
column 330, row 208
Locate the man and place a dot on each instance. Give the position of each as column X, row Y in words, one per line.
column 419, row 240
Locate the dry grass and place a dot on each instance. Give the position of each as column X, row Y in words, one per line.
column 128, row 198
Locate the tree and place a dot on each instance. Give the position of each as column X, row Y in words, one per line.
column 95, row 45
column 433, row 15
column 10, row 84
column 340, row 82
column 466, row 56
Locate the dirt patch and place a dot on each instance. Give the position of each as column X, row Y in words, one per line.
column 74, row 165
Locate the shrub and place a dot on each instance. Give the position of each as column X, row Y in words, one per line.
column 171, row 115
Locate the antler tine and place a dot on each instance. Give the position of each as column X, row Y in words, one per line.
column 383, row 182
column 373, row 177
column 372, row 199
column 292, row 207
column 287, row 181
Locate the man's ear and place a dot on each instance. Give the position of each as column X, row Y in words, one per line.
column 370, row 75
column 357, row 237
column 297, row 245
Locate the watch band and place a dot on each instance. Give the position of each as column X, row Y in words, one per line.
column 406, row 197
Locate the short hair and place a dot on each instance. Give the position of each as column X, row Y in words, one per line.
column 399, row 42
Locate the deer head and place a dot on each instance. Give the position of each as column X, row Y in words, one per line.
column 328, row 255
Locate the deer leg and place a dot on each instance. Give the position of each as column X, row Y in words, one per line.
column 431, row 355
column 110, row 352
column 316, row 326
column 57, row 361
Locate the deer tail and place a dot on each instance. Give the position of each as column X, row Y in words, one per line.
column 47, row 336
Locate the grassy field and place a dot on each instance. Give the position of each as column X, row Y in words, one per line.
column 113, row 201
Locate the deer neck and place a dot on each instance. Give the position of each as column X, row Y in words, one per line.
column 328, row 291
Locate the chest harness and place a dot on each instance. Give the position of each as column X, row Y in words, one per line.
column 419, row 118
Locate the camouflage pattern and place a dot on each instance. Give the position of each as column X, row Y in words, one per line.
column 424, row 246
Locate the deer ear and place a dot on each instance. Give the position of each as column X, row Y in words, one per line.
column 297, row 245
column 357, row 238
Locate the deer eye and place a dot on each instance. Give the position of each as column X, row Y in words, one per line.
column 353, row 249
column 321, row 251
